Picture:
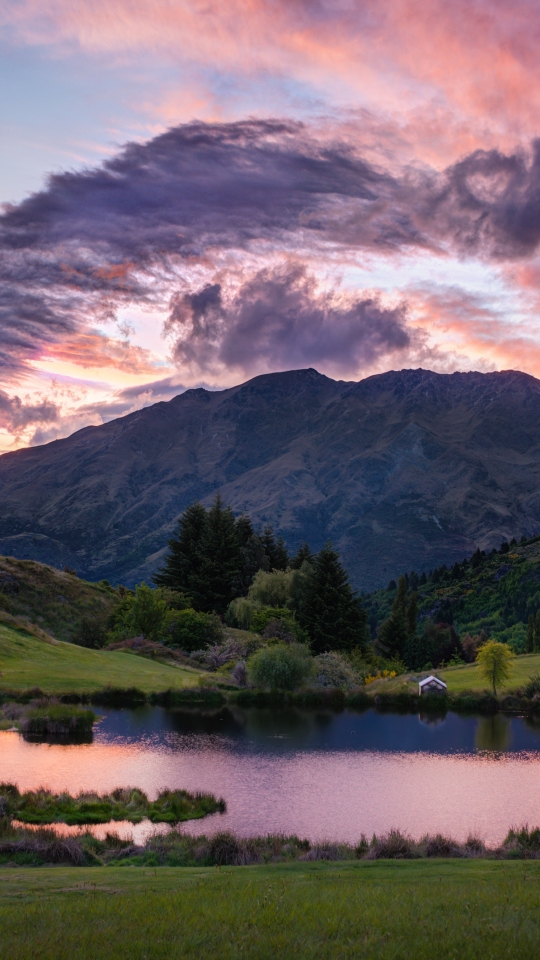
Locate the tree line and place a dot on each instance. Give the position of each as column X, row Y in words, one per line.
column 213, row 558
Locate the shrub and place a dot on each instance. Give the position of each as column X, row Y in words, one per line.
column 190, row 630
column 90, row 633
column 265, row 615
column 280, row 667
column 332, row 670
column 532, row 687
column 140, row 614
column 471, row 645
column 392, row 846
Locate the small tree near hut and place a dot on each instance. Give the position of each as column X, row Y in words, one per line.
column 494, row 662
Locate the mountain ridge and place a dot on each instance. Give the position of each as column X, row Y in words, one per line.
column 401, row 469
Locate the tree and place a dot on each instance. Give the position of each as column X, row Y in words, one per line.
column 537, row 632
column 331, row 612
column 394, row 632
column 302, row 554
column 530, row 634
column 275, row 550
column 141, row 613
column 181, row 569
column 252, row 559
column 190, row 630
column 494, row 662
column 412, row 612
column 213, row 588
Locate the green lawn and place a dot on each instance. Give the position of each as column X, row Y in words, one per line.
column 387, row 909
column 460, row 679
column 26, row 661
column 465, row 678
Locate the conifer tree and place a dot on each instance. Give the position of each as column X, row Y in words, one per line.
column 394, row 631
column 332, row 614
column 412, row 613
column 221, row 560
column 530, row 634
column 537, row 632
column 183, row 561
column 275, row 550
column 303, row 553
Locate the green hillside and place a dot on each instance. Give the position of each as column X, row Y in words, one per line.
column 495, row 592
column 53, row 599
column 26, row 661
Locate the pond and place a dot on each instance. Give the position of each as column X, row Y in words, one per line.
column 319, row 774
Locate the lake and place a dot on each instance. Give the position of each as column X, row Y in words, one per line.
column 319, row 774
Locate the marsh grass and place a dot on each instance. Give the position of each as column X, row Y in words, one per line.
column 36, row 847
column 44, row 807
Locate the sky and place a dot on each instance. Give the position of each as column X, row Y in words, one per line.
column 194, row 193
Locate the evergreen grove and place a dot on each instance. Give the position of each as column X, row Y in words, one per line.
column 214, row 559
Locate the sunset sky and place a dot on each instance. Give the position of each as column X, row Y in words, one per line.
column 198, row 192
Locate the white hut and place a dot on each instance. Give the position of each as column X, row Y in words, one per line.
column 431, row 685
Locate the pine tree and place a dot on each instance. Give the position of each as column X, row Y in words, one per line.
column 303, row 553
column 412, row 613
column 252, row 559
column 244, row 529
column 332, row 614
column 275, row 550
column 182, row 565
column 537, row 632
column 394, row 631
column 221, row 560
column 530, row 634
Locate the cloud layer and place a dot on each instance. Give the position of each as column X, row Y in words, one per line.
column 125, row 232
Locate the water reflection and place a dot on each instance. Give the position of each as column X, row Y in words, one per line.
column 493, row 733
column 315, row 773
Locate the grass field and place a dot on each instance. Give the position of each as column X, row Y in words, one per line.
column 463, row 679
column 27, row 661
column 381, row 911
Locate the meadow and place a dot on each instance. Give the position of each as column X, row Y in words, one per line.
column 462, row 679
column 28, row 661
column 471, row 910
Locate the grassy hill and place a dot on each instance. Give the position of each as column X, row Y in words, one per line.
column 28, row 660
column 53, row 599
column 493, row 591
column 464, row 679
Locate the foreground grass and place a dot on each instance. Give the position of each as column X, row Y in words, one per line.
column 27, row 661
column 391, row 911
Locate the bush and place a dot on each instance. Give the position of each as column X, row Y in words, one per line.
column 90, row 633
column 471, row 645
column 190, row 630
column 140, row 614
column 532, row 687
column 332, row 670
column 265, row 615
column 280, row 667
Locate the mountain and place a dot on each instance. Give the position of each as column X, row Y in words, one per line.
column 402, row 470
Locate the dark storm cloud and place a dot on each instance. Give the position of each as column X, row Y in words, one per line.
column 15, row 415
column 280, row 318
column 98, row 238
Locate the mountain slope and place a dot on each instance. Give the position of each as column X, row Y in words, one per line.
column 495, row 592
column 401, row 470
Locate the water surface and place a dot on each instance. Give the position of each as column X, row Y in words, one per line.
column 320, row 774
